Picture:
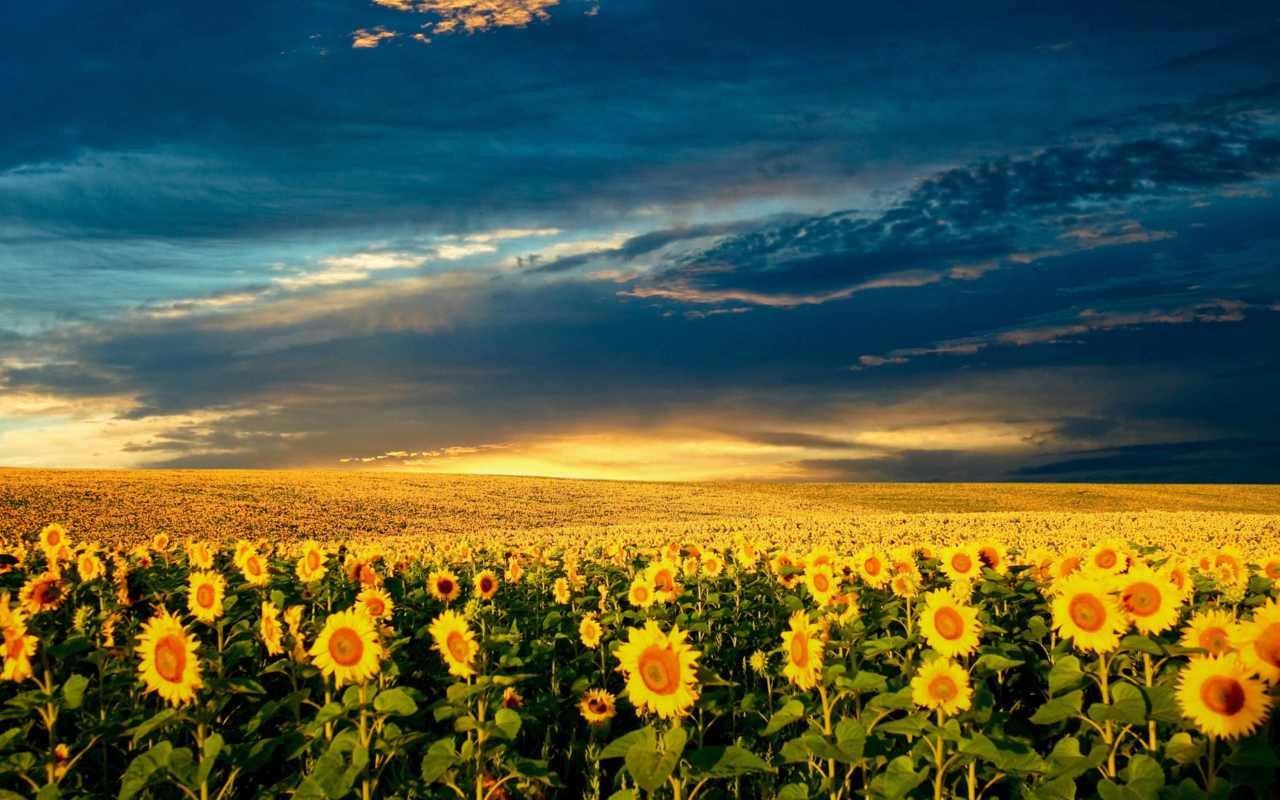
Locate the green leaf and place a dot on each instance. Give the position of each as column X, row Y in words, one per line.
column 182, row 765
column 1068, row 762
column 508, row 722
column 1058, row 709
column 142, row 768
column 1065, row 674
column 907, row 726
column 726, row 762
column 995, row 663
column 864, row 682
column 74, row 645
column 162, row 718
column 212, row 746
column 1009, row 757
column 73, row 691
column 794, row 791
column 623, row 794
column 48, row 792
column 1057, row 789
column 900, row 699
column 1163, row 703
column 1144, row 780
column 1128, row 706
column 277, row 598
column 786, row 715
column 900, row 778
column 852, row 739
column 439, row 758
column 1183, row 749
column 618, row 747
column 650, row 767
column 1142, row 644
column 397, row 702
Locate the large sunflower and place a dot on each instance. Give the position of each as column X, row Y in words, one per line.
column 804, row 651
column 1084, row 610
column 943, row 685
column 660, row 670
column 376, row 602
column 597, row 707
column 1259, row 643
column 1213, row 630
column 169, row 665
column 42, row 593
column 456, row 643
column 205, row 592
column 949, row 626
column 962, row 562
column 347, row 648
column 1148, row 599
column 444, row 585
column 1220, row 694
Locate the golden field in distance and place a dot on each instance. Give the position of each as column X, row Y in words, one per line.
column 129, row 507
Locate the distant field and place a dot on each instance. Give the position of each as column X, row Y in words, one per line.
column 132, row 505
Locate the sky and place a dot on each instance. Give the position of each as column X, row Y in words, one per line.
column 819, row 241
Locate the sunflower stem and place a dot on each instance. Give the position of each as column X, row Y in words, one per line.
column 1151, row 724
column 939, row 754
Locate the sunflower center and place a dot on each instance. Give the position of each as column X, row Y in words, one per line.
column 1178, row 578
column 1069, row 565
column 597, row 706
column 444, row 586
column 486, row 585
column 1088, row 612
column 642, row 593
column 961, row 563
column 253, row 566
column 457, row 644
column 989, row 557
column 1273, row 570
column 313, row 560
column 1222, row 695
column 1267, row 645
column 821, row 582
column 171, row 657
column 346, row 647
column 1142, row 598
column 205, row 595
column 943, row 688
column 1106, row 559
column 949, row 623
column 1214, row 640
column 664, row 580
column 873, row 566
column 46, row 592
column 376, row 606
column 660, row 669
column 800, row 650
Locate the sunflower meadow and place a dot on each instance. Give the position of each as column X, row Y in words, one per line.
column 793, row 661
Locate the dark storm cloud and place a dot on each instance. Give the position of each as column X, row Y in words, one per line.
column 1213, row 461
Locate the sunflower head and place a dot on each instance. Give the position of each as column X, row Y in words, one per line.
column 444, row 585
column 1148, row 599
column 590, row 632
column 205, row 593
column 169, row 665
column 660, row 669
column 803, row 647
column 1220, row 694
column 597, row 707
column 1259, row 643
column 348, row 648
column 455, row 641
column 486, row 584
column 950, row 626
column 1085, row 610
column 942, row 685
column 376, row 602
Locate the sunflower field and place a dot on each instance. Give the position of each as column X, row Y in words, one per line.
column 816, row 665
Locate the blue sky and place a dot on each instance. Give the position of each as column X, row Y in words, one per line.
column 776, row 241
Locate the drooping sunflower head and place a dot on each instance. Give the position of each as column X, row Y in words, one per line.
column 950, row 626
column 205, row 593
column 376, row 602
column 444, row 585
column 940, row 684
column 1066, row 565
column 169, row 665
column 456, row 642
column 597, row 707
column 347, row 648
column 803, row 649
column 42, row 593
column 1085, row 610
column 486, row 584
column 661, row 670
column 1220, row 694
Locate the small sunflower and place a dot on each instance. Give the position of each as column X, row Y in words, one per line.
column 169, row 665
column 962, row 562
column 53, row 536
column 598, row 707
column 376, row 602
column 311, row 564
column 661, row 670
column 640, row 593
column 200, row 555
column 1221, row 696
column 822, row 585
column 272, row 635
column 904, row 586
column 804, row 651
column 456, row 642
column 1178, row 573
column 949, row 626
column 89, row 567
column 590, row 632
column 205, row 592
column 160, row 542
column 1271, row 567
column 942, row 685
column 1148, row 599
column 42, row 593
column 1066, row 565
column 243, row 549
column 511, row 698
column 662, row 577
column 712, row 564
column 347, row 648
column 486, row 584
column 514, row 571
column 444, row 585
column 872, row 568
column 1085, row 611
column 1259, row 643
column 255, row 570
column 561, row 591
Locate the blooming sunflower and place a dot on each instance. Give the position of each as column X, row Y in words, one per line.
column 456, row 643
column 822, row 586
column 53, row 536
column 994, row 556
column 1148, row 599
column 561, row 591
column 1107, row 558
column 712, row 564
column 641, row 593
column 270, row 629
column 243, row 549
column 514, row 571
column 1065, row 565
column 1271, row 567
column 311, row 566
column 1259, row 643
column 949, row 626
column 597, row 707
column 347, row 648
column 205, row 591
column 200, row 555
column 511, row 698
column 872, row 568
column 660, row 669
column 590, row 631
column 376, row 602
column 160, row 542
column 1084, row 610
column 42, row 593
column 89, row 567
column 1220, row 694
column 444, row 585
column 962, row 562
column 662, row 577
column 486, row 584
column 1213, row 630
column 943, row 685
column 169, row 665
column 804, row 651
column 1177, row 572
column 19, row 646
column 904, row 586
column 254, row 569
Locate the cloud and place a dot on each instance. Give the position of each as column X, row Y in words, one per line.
column 368, row 39
column 473, row 16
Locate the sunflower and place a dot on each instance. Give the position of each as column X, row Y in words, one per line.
column 293, row 618
column 1148, row 599
column 1084, row 610
column 590, row 631
column 311, row 566
column 872, row 568
column 456, row 643
column 597, row 707
column 514, row 571
column 712, row 564
column 200, row 554
column 205, row 591
column 1259, row 643
column 994, row 556
column 90, row 567
column 561, row 591
column 850, row 603
column 511, row 698
column 169, row 664
column 962, row 562
column 42, row 593
column 1271, row 567
column 1213, row 630
column 53, row 536
column 1066, row 565
column 822, row 586
column 904, row 586
column 243, row 549
column 949, row 626
column 662, row 577
column 942, row 685
column 254, row 569
column 376, row 602
column 444, row 585
column 19, row 646
column 1177, row 572
column 1232, row 557
column 486, row 584
column 1220, row 694
column 347, row 648
column 641, row 593
column 804, row 651
column 270, row 629
column 1107, row 558
column 160, row 542
column 660, row 670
